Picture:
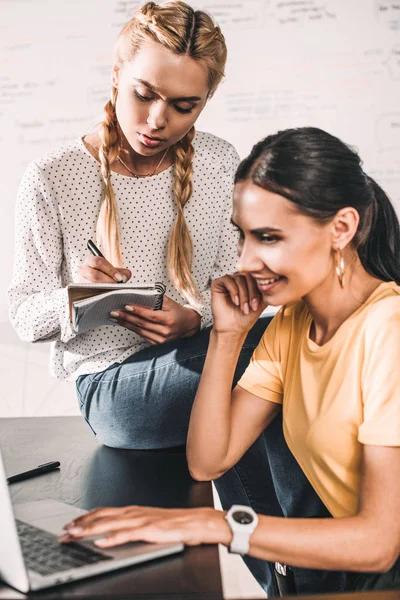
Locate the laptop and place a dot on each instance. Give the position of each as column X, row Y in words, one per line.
column 31, row 557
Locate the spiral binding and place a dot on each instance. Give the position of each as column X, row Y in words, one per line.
column 160, row 287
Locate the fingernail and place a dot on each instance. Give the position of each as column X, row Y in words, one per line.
column 236, row 300
column 246, row 309
column 102, row 542
column 70, row 524
column 65, row 537
column 129, row 308
column 120, row 278
column 114, row 314
column 254, row 304
column 73, row 530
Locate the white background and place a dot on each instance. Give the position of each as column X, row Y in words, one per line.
column 334, row 64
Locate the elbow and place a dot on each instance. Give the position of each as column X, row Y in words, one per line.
column 381, row 560
column 387, row 560
column 201, row 474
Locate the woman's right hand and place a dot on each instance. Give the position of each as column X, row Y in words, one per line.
column 96, row 269
column 236, row 303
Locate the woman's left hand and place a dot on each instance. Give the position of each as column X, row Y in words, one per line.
column 172, row 322
column 192, row 526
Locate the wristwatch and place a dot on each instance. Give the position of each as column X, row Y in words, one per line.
column 242, row 520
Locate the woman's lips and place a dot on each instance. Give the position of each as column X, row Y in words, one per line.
column 267, row 284
column 149, row 141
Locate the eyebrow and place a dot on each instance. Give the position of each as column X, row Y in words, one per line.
column 154, row 89
column 260, row 229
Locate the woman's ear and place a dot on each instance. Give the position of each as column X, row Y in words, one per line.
column 344, row 225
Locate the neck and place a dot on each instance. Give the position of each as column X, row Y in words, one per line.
column 139, row 164
column 330, row 304
column 142, row 165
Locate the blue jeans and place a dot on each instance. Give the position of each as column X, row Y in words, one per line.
column 145, row 402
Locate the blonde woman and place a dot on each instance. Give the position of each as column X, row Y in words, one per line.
column 155, row 195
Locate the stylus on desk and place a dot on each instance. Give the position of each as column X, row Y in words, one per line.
column 45, row 468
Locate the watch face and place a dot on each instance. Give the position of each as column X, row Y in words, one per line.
column 242, row 517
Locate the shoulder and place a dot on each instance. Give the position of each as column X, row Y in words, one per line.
column 67, row 156
column 382, row 313
column 215, row 151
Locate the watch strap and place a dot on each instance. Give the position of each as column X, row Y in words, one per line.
column 240, row 542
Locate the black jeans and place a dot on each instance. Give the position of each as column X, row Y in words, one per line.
column 269, row 479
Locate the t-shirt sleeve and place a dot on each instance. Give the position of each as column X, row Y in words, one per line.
column 263, row 376
column 381, row 376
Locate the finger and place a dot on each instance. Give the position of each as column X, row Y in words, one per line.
column 228, row 286
column 105, row 511
column 148, row 314
column 255, row 296
column 117, row 539
column 152, row 337
column 244, row 296
column 89, row 275
column 98, row 263
column 127, row 319
column 106, row 525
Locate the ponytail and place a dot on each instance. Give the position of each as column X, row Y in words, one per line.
column 380, row 251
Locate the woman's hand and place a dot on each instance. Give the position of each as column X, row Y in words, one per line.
column 191, row 526
column 96, row 269
column 172, row 322
column 236, row 303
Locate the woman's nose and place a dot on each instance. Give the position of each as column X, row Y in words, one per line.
column 248, row 261
column 157, row 118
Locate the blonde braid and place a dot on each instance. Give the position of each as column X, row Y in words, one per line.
column 180, row 247
column 107, row 229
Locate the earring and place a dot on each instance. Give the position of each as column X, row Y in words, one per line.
column 340, row 270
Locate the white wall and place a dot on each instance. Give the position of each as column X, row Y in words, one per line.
column 334, row 64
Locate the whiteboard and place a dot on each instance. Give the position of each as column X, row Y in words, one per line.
column 333, row 64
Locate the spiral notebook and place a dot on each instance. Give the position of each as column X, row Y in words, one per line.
column 90, row 304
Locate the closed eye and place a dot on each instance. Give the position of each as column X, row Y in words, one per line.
column 183, row 111
column 143, row 98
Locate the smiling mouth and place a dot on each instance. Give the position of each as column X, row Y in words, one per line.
column 267, row 281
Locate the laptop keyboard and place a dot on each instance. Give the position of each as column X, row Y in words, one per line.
column 44, row 554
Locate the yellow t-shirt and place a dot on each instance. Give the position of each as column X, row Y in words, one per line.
column 335, row 397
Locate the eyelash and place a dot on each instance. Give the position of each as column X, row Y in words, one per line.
column 183, row 111
column 269, row 239
column 265, row 238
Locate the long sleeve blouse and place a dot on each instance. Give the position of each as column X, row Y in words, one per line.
column 57, row 208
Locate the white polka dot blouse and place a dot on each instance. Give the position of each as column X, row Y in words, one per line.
column 57, row 207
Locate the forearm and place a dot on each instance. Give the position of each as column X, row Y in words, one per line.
column 352, row 544
column 210, row 421
column 40, row 316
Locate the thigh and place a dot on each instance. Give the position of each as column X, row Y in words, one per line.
column 145, row 402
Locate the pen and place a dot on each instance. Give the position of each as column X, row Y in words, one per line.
column 45, row 468
column 94, row 249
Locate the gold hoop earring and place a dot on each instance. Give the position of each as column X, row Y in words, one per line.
column 340, row 269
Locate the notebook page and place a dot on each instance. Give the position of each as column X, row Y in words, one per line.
column 94, row 312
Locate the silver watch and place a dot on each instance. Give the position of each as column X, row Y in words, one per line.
column 242, row 520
